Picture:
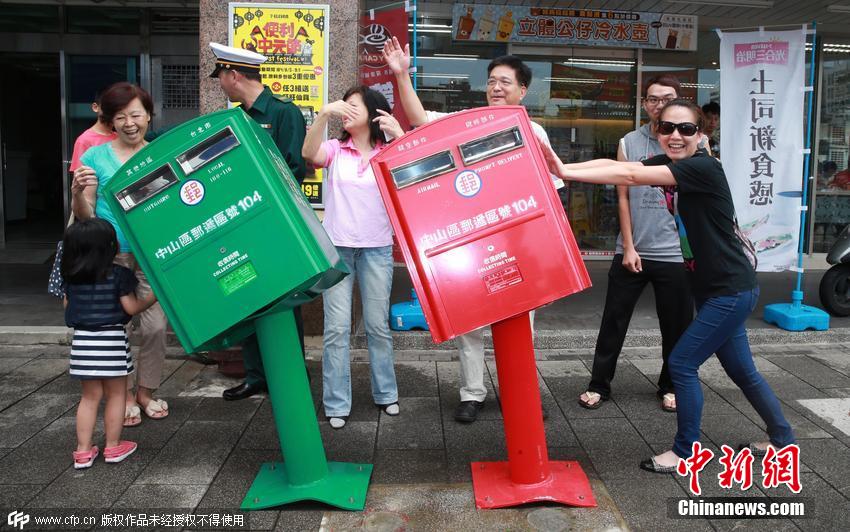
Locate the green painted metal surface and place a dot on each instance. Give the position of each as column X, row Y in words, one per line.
column 305, row 473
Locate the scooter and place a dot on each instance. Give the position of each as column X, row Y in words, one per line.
column 835, row 284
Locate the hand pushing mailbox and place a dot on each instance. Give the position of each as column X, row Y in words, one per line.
column 221, row 228
column 481, row 227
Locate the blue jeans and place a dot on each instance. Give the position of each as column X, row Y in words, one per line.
column 373, row 269
column 719, row 328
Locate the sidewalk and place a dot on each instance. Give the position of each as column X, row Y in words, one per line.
column 204, row 456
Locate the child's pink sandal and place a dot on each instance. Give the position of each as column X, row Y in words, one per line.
column 85, row 459
column 113, row 455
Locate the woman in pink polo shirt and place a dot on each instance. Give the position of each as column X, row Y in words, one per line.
column 357, row 223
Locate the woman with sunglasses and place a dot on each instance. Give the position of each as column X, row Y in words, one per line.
column 722, row 279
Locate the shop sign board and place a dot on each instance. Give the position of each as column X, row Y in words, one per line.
column 570, row 26
column 294, row 38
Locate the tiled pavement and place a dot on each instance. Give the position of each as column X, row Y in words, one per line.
column 205, row 454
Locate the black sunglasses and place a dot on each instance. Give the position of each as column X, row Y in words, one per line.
column 687, row 129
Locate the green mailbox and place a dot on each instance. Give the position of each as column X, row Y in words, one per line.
column 221, row 228
column 230, row 246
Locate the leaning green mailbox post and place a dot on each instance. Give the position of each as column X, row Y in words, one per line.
column 230, row 245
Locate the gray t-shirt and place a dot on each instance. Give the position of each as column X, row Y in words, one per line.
column 653, row 229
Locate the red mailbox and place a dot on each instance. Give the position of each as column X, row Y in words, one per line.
column 485, row 241
column 482, row 229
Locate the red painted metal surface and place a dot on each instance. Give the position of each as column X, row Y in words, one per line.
column 481, row 228
column 528, row 475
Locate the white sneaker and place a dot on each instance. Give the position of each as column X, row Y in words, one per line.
column 336, row 422
column 391, row 410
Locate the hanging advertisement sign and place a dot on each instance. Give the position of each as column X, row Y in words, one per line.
column 376, row 28
column 294, row 39
column 762, row 75
column 590, row 27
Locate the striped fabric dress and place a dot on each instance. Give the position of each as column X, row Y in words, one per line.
column 101, row 353
column 101, row 348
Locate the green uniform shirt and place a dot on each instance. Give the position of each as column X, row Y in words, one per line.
column 285, row 123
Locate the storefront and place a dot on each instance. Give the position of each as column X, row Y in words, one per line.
column 55, row 57
column 588, row 96
column 56, row 54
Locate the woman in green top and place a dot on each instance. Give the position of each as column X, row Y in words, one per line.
column 127, row 108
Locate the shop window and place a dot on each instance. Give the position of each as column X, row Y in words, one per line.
column 29, row 18
column 832, row 189
column 180, row 87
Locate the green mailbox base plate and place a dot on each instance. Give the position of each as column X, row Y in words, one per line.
column 345, row 487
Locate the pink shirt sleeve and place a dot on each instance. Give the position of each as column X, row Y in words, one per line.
column 331, row 149
column 80, row 146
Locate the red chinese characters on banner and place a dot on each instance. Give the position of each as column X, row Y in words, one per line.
column 374, row 32
column 692, row 466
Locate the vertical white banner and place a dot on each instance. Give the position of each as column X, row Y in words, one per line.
column 761, row 102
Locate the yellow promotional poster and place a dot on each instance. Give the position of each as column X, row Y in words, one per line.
column 294, row 39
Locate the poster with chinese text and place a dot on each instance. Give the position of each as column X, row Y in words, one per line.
column 294, row 39
column 761, row 116
column 591, row 27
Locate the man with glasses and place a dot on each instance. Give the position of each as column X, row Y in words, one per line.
column 648, row 251
column 508, row 79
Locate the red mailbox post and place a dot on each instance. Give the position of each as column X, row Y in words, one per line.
column 485, row 241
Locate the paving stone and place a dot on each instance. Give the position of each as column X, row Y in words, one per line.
column 261, row 432
column 831, row 460
column 789, row 388
column 418, row 426
column 137, row 496
column 642, row 500
column 46, row 369
column 416, row 379
column 481, row 435
column 17, row 495
column 558, row 431
column 31, row 414
column 637, row 406
column 605, row 433
column 830, row 508
column 353, row 443
column 732, row 430
column 658, row 429
column 629, row 380
column 217, row 409
column 99, row 486
column 181, row 379
column 621, row 462
column 394, row 466
column 839, row 361
column 565, row 368
column 812, row 371
column 43, row 457
column 9, row 364
column 233, row 481
column 178, row 462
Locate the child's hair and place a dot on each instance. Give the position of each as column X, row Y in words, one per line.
column 373, row 100
column 88, row 249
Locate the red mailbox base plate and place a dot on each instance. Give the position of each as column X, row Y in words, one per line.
column 567, row 485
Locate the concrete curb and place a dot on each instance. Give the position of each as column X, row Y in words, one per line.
column 421, row 341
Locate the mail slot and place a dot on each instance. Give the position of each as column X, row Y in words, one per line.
column 221, row 228
column 481, row 228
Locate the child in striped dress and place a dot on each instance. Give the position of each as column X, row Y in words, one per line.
column 100, row 298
